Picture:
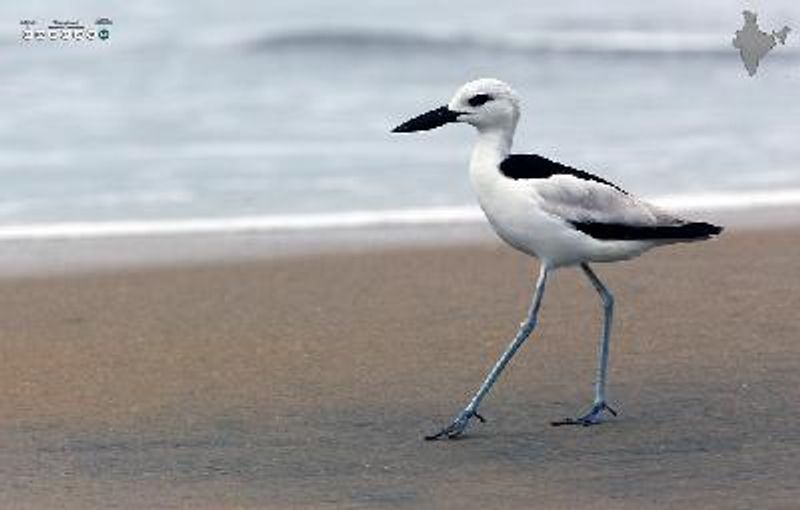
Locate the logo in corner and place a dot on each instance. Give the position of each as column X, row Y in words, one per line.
column 753, row 43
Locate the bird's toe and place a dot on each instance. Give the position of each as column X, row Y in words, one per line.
column 593, row 417
column 457, row 428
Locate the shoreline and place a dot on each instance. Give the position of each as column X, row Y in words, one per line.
column 731, row 204
column 45, row 256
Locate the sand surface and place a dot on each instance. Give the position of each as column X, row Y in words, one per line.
column 309, row 382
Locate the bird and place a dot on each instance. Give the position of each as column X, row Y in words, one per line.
column 560, row 215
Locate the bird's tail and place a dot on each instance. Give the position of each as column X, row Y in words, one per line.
column 686, row 232
column 675, row 233
column 694, row 230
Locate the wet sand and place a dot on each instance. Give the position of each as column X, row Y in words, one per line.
column 309, row 381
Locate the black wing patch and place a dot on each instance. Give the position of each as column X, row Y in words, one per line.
column 622, row 232
column 532, row 166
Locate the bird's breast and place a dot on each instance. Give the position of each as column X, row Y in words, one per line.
column 512, row 209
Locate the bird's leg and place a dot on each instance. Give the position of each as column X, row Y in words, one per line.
column 599, row 405
column 461, row 422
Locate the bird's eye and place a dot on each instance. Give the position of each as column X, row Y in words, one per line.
column 479, row 99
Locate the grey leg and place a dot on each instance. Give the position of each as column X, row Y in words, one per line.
column 599, row 405
column 461, row 422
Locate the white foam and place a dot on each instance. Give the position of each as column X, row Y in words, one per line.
column 274, row 223
column 721, row 201
column 730, row 200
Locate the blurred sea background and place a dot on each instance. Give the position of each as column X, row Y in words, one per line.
column 280, row 111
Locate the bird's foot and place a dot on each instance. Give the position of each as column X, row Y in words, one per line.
column 593, row 417
column 458, row 426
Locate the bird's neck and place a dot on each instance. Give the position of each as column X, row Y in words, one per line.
column 492, row 147
column 490, row 150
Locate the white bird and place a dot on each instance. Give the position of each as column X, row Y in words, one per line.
column 558, row 214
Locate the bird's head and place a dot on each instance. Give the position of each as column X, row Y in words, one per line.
column 486, row 103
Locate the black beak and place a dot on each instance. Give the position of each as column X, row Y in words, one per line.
column 429, row 120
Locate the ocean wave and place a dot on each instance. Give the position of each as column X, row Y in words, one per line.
column 593, row 42
column 421, row 216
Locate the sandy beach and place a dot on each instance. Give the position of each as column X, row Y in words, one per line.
column 308, row 382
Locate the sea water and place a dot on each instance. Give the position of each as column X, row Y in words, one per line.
column 279, row 113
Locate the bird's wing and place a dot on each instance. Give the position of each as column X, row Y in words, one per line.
column 577, row 200
column 595, row 206
column 578, row 196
